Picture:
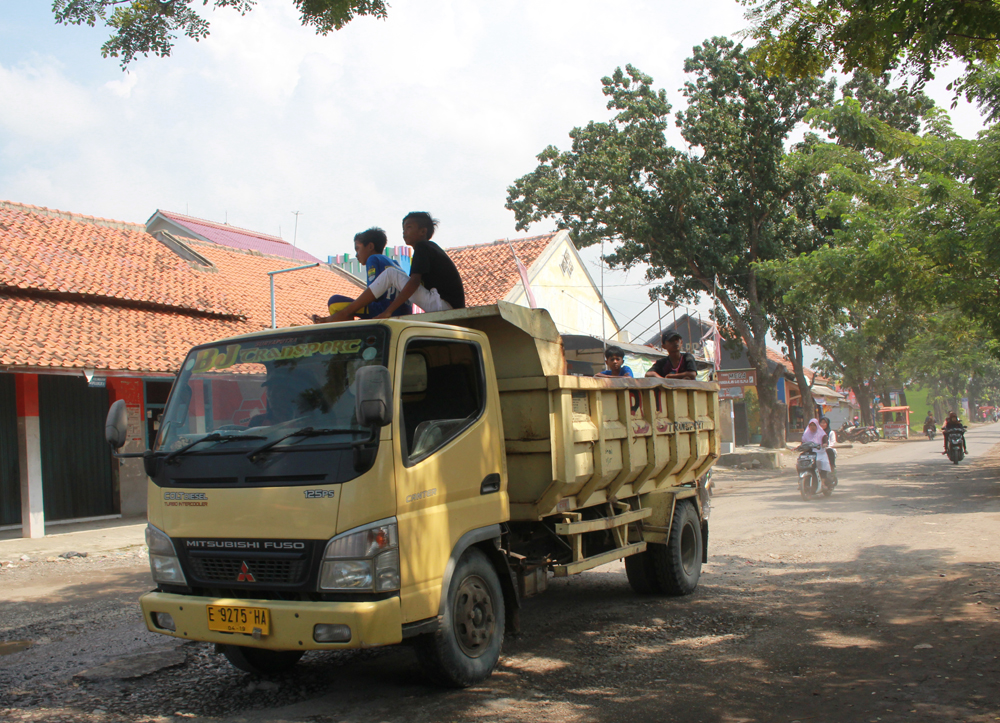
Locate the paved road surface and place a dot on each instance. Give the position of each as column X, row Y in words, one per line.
column 877, row 604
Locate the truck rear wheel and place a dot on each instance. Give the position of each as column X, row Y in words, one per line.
column 678, row 563
column 466, row 647
column 260, row 661
column 641, row 572
column 673, row 568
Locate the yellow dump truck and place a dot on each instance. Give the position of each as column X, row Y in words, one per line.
column 410, row 480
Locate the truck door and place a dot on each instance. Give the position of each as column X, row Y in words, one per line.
column 448, row 454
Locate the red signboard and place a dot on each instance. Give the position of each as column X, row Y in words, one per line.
column 738, row 378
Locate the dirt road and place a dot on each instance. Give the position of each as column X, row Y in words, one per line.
column 881, row 603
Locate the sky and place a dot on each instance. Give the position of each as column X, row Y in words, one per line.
column 439, row 108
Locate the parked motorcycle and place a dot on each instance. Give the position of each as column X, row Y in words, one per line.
column 872, row 434
column 853, row 433
column 813, row 480
column 954, row 443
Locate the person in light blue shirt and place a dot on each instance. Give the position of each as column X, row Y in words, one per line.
column 614, row 358
column 368, row 246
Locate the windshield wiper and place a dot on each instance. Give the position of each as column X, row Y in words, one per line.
column 305, row 432
column 214, row 437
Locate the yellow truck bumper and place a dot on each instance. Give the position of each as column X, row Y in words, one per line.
column 372, row 624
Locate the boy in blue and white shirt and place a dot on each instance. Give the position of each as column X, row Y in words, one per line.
column 614, row 358
column 368, row 246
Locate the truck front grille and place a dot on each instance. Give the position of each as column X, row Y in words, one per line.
column 229, row 569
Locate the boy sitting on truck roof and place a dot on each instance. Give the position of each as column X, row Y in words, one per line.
column 434, row 283
column 368, row 246
column 614, row 358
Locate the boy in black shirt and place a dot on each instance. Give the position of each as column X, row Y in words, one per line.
column 677, row 364
column 434, row 283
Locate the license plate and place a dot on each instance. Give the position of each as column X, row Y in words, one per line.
column 235, row 619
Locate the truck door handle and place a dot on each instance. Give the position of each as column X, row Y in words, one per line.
column 491, row 484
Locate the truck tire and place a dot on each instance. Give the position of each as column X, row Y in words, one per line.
column 466, row 646
column 260, row 661
column 641, row 572
column 678, row 563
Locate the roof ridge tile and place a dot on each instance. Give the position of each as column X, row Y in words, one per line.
column 69, row 216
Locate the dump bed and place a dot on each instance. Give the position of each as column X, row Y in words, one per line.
column 573, row 442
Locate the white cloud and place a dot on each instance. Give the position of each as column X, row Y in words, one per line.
column 41, row 103
column 123, row 87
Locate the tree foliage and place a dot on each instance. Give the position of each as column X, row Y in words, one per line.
column 696, row 216
column 807, row 37
column 953, row 358
column 906, row 285
column 142, row 27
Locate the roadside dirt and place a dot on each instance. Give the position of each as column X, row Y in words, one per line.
column 881, row 603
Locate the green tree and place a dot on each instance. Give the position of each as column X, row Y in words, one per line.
column 141, row 27
column 807, row 37
column 694, row 216
column 953, row 357
column 866, row 283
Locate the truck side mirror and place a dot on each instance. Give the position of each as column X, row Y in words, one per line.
column 116, row 426
column 373, row 403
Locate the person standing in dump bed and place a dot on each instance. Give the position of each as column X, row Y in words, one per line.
column 614, row 358
column 368, row 247
column 434, row 283
column 677, row 364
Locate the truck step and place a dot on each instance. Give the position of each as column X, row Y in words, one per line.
column 602, row 559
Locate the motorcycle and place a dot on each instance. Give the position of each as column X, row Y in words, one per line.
column 872, row 434
column 813, row 480
column 853, row 433
column 930, row 430
column 954, row 443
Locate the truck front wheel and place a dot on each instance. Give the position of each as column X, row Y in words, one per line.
column 260, row 661
column 466, row 647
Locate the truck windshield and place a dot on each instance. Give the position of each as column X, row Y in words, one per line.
column 233, row 395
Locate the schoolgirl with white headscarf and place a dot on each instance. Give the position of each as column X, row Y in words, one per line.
column 814, row 433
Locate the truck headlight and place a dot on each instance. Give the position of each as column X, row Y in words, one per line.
column 366, row 558
column 163, row 562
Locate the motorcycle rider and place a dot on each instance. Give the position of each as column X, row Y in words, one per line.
column 829, row 442
column 953, row 422
column 929, row 423
column 815, row 434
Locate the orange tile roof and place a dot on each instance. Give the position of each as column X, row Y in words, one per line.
column 52, row 333
column 488, row 270
column 298, row 294
column 51, row 251
column 80, row 292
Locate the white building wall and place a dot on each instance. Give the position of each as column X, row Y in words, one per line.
column 562, row 285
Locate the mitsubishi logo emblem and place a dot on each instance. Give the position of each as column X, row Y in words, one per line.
column 245, row 574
